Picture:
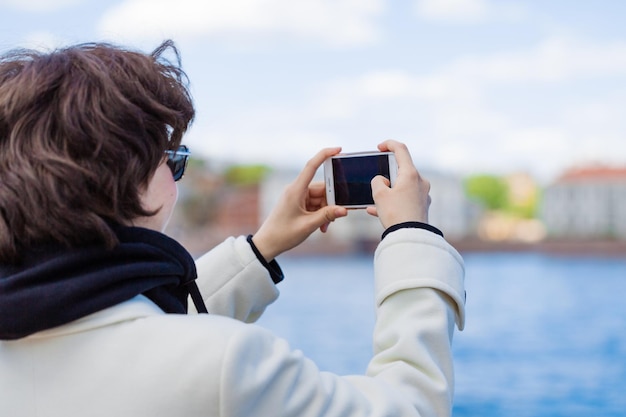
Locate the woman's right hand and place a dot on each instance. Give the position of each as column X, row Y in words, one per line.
column 301, row 210
column 408, row 200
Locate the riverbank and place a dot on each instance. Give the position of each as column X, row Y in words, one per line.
column 199, row 241
column 603, row 248
column 574, row 248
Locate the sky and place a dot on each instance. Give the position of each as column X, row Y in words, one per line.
column 471, row 86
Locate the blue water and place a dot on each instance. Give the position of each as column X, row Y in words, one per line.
column 545, row 336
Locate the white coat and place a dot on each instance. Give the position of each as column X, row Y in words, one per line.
column 132, row 360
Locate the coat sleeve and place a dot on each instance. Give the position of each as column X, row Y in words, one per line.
column 420, row 296
column 233, row 282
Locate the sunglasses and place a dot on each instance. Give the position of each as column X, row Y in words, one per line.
column 177, row 161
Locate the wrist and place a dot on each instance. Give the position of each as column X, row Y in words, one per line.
column 272, row 266
column 411, row 225
column 263, row 246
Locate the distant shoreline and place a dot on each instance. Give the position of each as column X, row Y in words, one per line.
column 199, row 243
column 573, row 248
column 602, row 248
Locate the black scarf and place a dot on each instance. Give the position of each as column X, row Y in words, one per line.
column 56, row 285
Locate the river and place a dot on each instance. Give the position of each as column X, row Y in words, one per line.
column 545, row 335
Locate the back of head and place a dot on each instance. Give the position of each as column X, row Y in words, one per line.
column 82, row 130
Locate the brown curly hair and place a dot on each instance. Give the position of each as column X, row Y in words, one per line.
column 82, row 131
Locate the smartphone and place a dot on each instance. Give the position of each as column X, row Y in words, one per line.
column 348, row 177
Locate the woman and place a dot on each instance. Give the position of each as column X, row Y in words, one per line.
column 93, row 297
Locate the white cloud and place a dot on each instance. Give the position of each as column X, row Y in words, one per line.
column 468, row 11
column 597, row 128
column 578, row 128
column 42, row 41
column 452, row 118
column 335, row 22
column 452, row 9
column 389, row 84
column 554, row 60
column 39, row 5
column 346, row 98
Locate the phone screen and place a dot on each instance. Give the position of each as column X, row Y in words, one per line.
column 353, row 177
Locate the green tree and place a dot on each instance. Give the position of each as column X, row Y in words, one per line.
column 245, row 174
column 491, row 191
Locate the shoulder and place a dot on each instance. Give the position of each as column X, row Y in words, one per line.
column 206, row 339
column 198, row 329
column 138, row 328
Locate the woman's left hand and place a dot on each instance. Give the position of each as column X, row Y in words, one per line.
column 301, row 210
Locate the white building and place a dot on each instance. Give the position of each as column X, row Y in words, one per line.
column 451, row 210
column 586, row 203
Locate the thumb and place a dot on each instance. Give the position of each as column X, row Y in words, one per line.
column 379, row 183
column 328, row 214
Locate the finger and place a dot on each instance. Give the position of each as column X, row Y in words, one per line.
column 400, row 150
column 379, row 186
column 306, row 175
column 328, row 214
column 316, row 204
column 385, row 145
column 372, row 211
column 316, row 201
column 317, row 189
column 379, row 182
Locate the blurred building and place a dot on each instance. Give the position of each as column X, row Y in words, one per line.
column 516, row 222
column 586, row 203
column 451, row 210
column 523, row 191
